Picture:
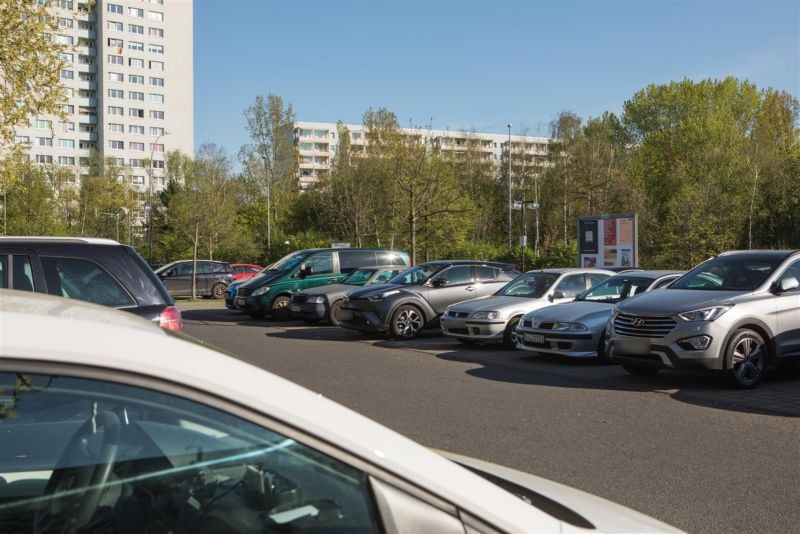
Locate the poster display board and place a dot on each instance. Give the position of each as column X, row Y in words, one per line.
column 608, row 240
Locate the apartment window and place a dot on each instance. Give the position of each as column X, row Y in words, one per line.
column 156, row 16
column 156, row 49
column 116, row 145
column 119, row 161
column 116, row 127
column 114, row 8
column 305, row 133
column 306, row 146
column 67, row 126
column 68, row 74
column 66, row 143
column 66, row 160
column 156, row 65
column 137, row 180
column 43, row 124
column 134, row 129
column 136, row 12
column 135, row 112
column 116, row 43
column 66, row 56
column 65, row 4
column 44, row 141
column 158, row 164
column 157, row 147
column 22, row 140
column 159, row 2
column 136, row 163
column 158, row 82
column 115, row 60
column 115, row 110
column 156, row 130
column 41, row 158
column 69, row 109
column 118, row 26
column 135, row 28
column 136, row 45
column 135, row 78
column 156, row 32
column 64, row 22
column 156, row 98
column 159, row 115
column 116, row 93
column 136, row 146
column 116, row 77
column 65, row 40
column 136, row 63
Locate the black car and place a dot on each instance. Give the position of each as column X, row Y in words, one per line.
column 96, row 270
column 416, row 298
column 213, row 278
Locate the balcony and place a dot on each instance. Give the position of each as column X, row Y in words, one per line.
column 86, row 16
column 85, row 84
column 87, row 102
column 87, row 34
column 84, row 67
column 87, row 136
column 86, row 50
column 88, row 119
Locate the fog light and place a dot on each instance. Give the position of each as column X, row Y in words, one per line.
column 695, row 343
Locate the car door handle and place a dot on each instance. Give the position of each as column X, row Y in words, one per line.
column 470, row 288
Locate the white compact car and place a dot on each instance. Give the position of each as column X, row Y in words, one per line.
column 494, row 318
column 110, row 424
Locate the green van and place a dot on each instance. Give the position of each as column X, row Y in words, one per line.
column 269, row 292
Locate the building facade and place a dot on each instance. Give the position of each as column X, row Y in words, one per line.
column 317, row 143
column 129, row 77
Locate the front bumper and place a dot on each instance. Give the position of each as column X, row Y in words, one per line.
column 666, row 353
column 475, row 329
column 578, row 344
column 367, row 321
column 316, row 311
column 249, row 304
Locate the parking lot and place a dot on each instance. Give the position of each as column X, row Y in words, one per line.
column 678, row 447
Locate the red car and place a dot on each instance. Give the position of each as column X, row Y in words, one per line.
column 242, row 271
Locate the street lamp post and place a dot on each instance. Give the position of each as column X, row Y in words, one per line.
column 510, row 243
column 150, row 200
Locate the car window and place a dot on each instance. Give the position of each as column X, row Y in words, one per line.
column 596, row 278
column 352, row 259
column 3, row 272
column 391, row 258
column 359, row 277
column 486, row 274
column 164, row 463
column 529, row 285
column 251, row 269
column 458, row 274
column 571, row 286
column 183, row 269
column 384, row 276
column 205, row 267
column 419, row 274
column 83, row 279
column 239, row 269
column 320, row 263
column 664, row 282
column 22, row 273
column 616, row 288
column 793, row 271
column 729, row 273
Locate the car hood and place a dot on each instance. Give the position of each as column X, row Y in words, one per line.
column 260, row 279
column 330, row 290
column 674, row 301
column 574, row 507
column 574, row 312
column 364, row 292
column 501, row 304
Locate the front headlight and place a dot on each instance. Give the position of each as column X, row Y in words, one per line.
column 316, row 299
column 260, row 291
column 486, row 315
column 381, row 296
column 571, row 327
column 704, row 314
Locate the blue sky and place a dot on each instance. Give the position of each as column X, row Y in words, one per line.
column 474, row 64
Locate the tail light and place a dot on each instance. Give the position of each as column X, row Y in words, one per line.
column 170, row 319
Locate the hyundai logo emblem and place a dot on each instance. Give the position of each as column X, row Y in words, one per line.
column 638, row 322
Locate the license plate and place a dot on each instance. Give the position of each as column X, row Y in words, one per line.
column 295, row 308
column 635, row 347
column 534, row 338
column 241, row 302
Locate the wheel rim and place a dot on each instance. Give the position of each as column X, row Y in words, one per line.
column 514, row 337
column 748, row 360
column 219, row 291
column 280, row 304
column 408, row 323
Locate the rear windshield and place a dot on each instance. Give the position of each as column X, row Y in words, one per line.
column 529, row 285
column 729, row 273
column 616, row 288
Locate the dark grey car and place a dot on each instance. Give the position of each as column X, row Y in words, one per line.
column 323, row 302
column 416, row 298
column 213, row 278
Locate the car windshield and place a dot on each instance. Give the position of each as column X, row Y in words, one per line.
column 418, row 274
column 529, row 285
column 729, row 273
column 616, row 288
column 358, row 277
column 287, row 262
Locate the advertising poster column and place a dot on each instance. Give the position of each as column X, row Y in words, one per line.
column 608, row 241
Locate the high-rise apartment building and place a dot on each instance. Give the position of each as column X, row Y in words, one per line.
column 317, row 143
column 129, row 77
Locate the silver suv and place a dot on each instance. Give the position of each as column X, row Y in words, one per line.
column 735, row 313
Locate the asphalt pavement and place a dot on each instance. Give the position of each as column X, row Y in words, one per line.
column 680, row 448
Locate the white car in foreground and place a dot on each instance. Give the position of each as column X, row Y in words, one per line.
column 108, row 423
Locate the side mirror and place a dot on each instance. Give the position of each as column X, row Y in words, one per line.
column 787, row 284
column 439, row 282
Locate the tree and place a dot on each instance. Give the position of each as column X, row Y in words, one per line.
column 271, row 129
column 41, row 201
column 30, row 66
column 563, row 129
column 105, row 199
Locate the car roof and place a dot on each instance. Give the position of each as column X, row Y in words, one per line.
column 59, row 240
column 760, row 253
column 403, row 267
column 93, row 336
column 469, row 262
column 560, row 270
column 648, row 274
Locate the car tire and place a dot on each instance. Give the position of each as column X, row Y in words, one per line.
column 745, row 359
column 602, row 357
column 218, row 291
column 407, row 322
column 335, row 307
column 280, row 308
column 510, row 341
column 639, row 371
